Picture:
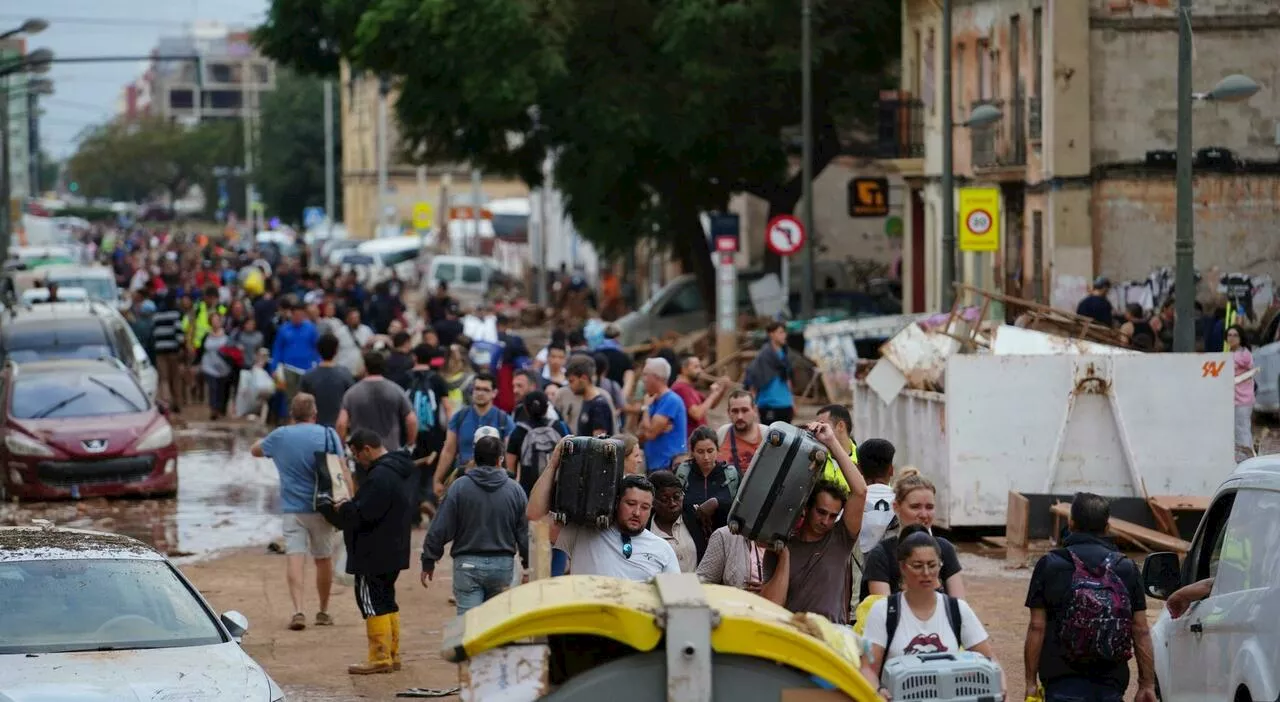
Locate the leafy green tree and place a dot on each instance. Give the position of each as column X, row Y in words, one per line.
column 657, row 110
column 290, row 168
column 133, row 160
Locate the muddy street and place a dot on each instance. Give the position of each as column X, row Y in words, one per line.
column 226, row 499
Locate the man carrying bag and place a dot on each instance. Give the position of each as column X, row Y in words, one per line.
column 293, row 449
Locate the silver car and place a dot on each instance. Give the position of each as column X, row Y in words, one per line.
column 93, row 617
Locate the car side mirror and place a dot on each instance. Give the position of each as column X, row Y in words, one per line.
column 1161, row 575
column 236, row 623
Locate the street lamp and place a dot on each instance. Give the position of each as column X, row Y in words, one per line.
column 40, row 86
column 981, row 116
column 37, row 62
column 1233, row 88
column 34, row 25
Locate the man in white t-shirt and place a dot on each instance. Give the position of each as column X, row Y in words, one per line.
column 626, row 549
column 875, row 459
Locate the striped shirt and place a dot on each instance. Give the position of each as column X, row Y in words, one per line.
column 167, row 331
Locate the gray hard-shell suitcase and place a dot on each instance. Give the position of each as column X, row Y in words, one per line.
column 587, row 481
column 777, row 485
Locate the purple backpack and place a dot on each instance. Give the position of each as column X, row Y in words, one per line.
column 1096, row 625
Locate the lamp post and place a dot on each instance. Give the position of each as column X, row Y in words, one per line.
column 1233, row 88
column 37, row 62
column 806, row 162
column 35, row 88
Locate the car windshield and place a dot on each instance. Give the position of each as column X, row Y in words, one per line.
column 39, row 341
column 98, row 604
column 57, row 396
column 97, row 288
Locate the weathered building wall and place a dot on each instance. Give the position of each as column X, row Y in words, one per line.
column 1134, row 78
column 1237, row 223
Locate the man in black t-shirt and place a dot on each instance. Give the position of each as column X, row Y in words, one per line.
column 1096, row 306
column 400, row 360
column 1048, row 597
column 596, row 416
column 328, row 382
column 431, row 434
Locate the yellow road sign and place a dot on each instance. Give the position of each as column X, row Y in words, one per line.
column 422, row 212
column 979, row 219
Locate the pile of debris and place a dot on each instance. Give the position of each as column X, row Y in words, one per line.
column 915, row 356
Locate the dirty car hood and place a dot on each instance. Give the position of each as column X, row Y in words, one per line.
column 193, row 673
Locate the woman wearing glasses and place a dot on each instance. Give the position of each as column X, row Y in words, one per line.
column 918, row 619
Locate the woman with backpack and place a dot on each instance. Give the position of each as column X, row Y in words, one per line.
column 709, row 487
column 919, row 619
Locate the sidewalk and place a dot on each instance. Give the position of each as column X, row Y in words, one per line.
column 312, row 664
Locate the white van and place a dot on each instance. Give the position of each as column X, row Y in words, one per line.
column 98, row 281
column 1226, row 646
column 399, row 253
column 468, row 277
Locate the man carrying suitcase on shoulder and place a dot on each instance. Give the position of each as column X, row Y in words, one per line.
column 808, row 575
column 626, row 549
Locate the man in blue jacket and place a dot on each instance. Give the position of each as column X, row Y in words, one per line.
column 483, row 515
column 295, row 343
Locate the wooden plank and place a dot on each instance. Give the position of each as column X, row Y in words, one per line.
column 1164, row 517
column 1017, row 520
column 1128, row 531
column 995, row 541
column 1182, row 503
column 539, row 550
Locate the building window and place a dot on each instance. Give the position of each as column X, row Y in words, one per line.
column 958, row 71
column 917, row 68
column 927, row 86
column 1037, row 51
column 982, row 61
column 219, row 73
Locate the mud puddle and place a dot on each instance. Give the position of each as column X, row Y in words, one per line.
column 226, row 499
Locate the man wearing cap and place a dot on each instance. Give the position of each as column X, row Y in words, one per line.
column 459, row 443
column 483, row 516
column 1096, row 306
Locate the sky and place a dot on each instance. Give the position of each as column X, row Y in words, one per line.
column 86, row 93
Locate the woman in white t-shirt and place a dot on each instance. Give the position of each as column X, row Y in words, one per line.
column 927, row 619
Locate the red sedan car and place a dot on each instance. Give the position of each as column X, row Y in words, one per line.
column 82, row 428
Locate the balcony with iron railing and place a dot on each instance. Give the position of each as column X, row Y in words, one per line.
column 900, row 127
column 1002, row 144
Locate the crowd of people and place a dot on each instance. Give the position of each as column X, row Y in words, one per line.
column 479, row 458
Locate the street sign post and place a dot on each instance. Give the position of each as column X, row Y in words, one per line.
column 785, row 236
column 980, row 219
column 312, row 217
column 422, row 212
column 724, row 238
column 724, row 231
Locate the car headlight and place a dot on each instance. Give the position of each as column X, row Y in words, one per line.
column 160, row 437
column 23, row 445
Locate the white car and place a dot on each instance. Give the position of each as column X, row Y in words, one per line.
column 1225, row 647
column 92, row 617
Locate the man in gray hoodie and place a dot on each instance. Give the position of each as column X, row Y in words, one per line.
column 483, row 515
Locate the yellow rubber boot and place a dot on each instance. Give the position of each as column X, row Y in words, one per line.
column 395, row 641
column 378, row 630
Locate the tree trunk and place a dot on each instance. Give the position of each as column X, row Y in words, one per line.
column 783, row 198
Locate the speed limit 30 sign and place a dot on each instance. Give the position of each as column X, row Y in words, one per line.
column 979, row 222
column 979, row 219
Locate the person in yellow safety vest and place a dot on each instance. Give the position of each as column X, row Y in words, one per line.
column 842, row 423
column 195, row 337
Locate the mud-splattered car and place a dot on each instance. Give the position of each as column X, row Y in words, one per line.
column 92, row 617
column 82, row 428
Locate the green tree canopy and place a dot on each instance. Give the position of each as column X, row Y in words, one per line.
column 133, row 160
column 657, row 110
column 290, row 168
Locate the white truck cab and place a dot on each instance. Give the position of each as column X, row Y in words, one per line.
column 1226, row 646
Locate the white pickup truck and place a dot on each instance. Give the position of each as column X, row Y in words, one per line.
column 1122, row 426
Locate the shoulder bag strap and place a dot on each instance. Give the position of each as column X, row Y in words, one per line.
column 892, row 613
column 954, row 618
column 733, row 447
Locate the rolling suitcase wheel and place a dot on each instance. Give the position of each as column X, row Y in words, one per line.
column 735, row 526
column 569, row 448
column 610, row 450
column 775, row 438
column 818, row 456
column 602, row 521
column 560, row 517
column 777, row 545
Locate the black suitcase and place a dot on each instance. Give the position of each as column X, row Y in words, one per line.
column 777, row 485
column 587, row 481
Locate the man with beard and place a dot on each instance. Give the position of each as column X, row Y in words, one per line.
column 626, row 549
column 742, row 436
